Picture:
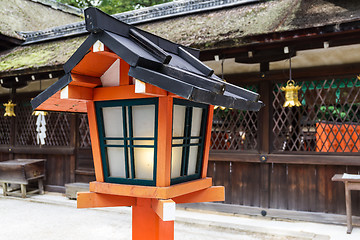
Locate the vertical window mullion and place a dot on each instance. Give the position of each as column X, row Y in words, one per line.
column 187, row 139
column 102, row 140
column 131, row 141
column 202, row 139
column 125, row 142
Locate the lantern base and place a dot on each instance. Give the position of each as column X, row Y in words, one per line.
column 146, row 224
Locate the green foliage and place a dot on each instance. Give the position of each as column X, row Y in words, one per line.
column 113, row 6
column 339, row 113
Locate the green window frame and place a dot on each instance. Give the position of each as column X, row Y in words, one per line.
column 187, row 140
column 128, row 141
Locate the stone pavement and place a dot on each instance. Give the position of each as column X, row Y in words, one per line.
column 52, row 216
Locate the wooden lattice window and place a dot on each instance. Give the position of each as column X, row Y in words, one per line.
column 57, row 127
column 327, row 121
column 25, row 125
column 84, row 132
column 234, row 129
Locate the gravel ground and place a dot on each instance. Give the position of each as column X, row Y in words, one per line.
column 53, row 216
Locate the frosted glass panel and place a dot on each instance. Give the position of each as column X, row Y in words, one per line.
column 116, row 160
column 176, row 156
column 178, row 120
column 193, row 159
column 177, row 141
column 143, row 120
column 144, row 163
column 113, row 121
column 196, row 121
column 143, row 142
column 114, row 142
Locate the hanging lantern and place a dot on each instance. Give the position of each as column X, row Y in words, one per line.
column 291, row 94
column 9, row 109
column 291, row 91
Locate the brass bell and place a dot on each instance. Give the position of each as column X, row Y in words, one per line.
column 9, row 109
column 291, row 94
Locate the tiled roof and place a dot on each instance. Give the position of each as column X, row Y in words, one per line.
column 21, row 15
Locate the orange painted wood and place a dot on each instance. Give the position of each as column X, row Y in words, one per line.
column 207, row 141
column 78, row 93
column 211, row 194
column 154, row 90
column 151, row 192
column 147, row 225
column 125, row 92
column 108, row 53
column 85, row 81
column 124, row 70
column 95, row 64
column 95, row 144
column 95, row 200
column 54, row 103
column 163, row 170
column 158, row 206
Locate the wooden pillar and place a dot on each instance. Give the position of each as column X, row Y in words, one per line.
column 265, row 115
column 73, row 143
column 264, row 130
column 146, row 224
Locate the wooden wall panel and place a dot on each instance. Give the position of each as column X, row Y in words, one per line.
column 300, row 187
column 222, row 177
column 251, row 183
column 278, row 186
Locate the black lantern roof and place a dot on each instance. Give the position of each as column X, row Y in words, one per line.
column 156, row 61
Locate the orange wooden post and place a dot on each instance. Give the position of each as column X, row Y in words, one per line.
column 147, row 225
column 95, row 143
column 207, row 141
column 164, row 142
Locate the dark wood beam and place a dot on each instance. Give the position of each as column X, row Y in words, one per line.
column 271, row 55
column 299, row 74
column 298, row 40
column 315, row 159
column 17, row 79
column 37, row 150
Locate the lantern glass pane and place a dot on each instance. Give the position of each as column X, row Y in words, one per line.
column 144, row 163
column 116, row 161
column 193, row 157
column 196, row 121
column 114, row 142
column 143, row 143
column 176, row 158
column 178, row 120
column 194, row 141
column 113, row 121
column 128, row 135
column 143, row 120
column 188, row 138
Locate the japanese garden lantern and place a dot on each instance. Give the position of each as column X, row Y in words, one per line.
column 150, row 105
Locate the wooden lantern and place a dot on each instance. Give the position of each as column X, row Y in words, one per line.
column 150, row 106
